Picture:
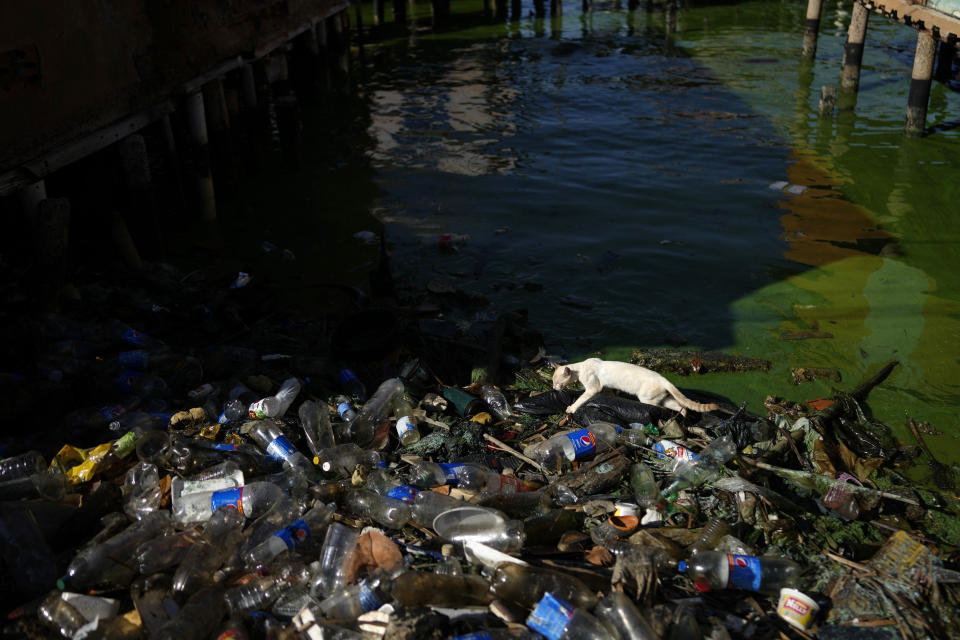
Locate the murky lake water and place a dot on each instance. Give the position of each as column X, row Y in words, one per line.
column 632, row 188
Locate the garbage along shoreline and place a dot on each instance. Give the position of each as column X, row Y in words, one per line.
column 189, row 456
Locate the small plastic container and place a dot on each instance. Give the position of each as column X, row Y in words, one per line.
column 797, row 608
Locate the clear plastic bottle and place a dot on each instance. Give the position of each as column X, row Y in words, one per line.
column 620, row 615
column 224, row 475
column 60, row 615
column 645, row 489
column 389, row 512
column 526, row 584
column 497, row 402
column 198, row 617
column 425, row 506
column 307, row 526
column 425, row 588
column 271, row 439
column 276, row 405
column 255, row 594
column 710, row 536
column 385, row 484
column 347, row 603
column 472, row 523
column 345, row 409
column 112, row 560
column 251, row 500
column 557, row 619
column 22, row 466
column 344, row 458
column 408, row 431
column 221, row 533
column 576, row 444
column 449, row 564
column 165, row 552
column 707, row 467
column 338, row 544
column 715, row 570
column 315, row 420
column 424, row 474
column 367, row 428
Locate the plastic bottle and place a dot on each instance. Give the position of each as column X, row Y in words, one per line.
column 426, row 588
column 368, row 427
column 220, row 536
column 309, row 525
column 255, row 594
column 526, row 584
column 338, row 544
column 464, row 404
column 315, row 421
column 225, row 475
column 276, row 405
column 351, row 384
column 165, row 552
column 343, row 458
column 49, row 485
column 714, row 570
column 472, row 523
column 198, row 618
column 385, row 484
column 345, row 409
column 271, row 439
column 111, row 561
column 408, row 432
column 425, row 506
column 710, row 536
column 496, row 401
column 620, row 616
column 389, row 512
column 251, row 500
column 708, row 467
column 424, row 474
column 60, row 615
column 354, row 600
column 644, row 485
column 576, row 444
column 449, row 565
column 557, row 619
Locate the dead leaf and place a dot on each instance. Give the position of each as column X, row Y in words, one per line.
column 373, row 551
column 600, row 556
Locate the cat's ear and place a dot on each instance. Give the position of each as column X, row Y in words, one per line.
column 564, row 371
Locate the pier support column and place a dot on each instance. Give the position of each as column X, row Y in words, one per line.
column 853, row 49
column 920, row 84
column 305, row 65
column 378, row 12
column 254, row 118
column 811, row 28
column 172, row 159
column 516, row 8
column 400, row 12
column 358, row 18
column 197, row 128
column 141, row 209
column 556, row 7
column 30, row 198
column 218, row 130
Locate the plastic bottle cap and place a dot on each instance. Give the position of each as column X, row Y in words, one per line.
column 682, row 566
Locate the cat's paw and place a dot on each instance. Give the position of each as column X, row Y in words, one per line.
column 571, row 409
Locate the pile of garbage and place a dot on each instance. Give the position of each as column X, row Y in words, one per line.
column 296, row 480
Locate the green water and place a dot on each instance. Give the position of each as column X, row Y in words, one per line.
column 619, row 189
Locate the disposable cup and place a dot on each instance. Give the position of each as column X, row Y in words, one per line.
column 797, row 608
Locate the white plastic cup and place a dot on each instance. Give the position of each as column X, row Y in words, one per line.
column 625, row 509
column 797, row 608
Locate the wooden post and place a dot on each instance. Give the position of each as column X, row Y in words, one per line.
column 304, row 65
column 923, row 60
column 30, row 198
column 400, row 11
column 946, row 52
column 670, row 16
column 218, row 130
column 197, row 128
column 254, row 118
column 500, row 11
column 853, row 49
column 812, row 28
column 556, row 7
column 378, row 12
column 358, row 16
column 288, row 122
column 516, row 7
column 172, row 158
column 828, row 100
column 135, row 166
column 323, row 53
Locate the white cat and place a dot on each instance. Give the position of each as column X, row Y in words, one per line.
column 649, row 386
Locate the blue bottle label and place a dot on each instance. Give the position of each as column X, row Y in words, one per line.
column 744, row 572
column 344, row 407
column 668, row 449
column 346, row 376
column 368, row 599
column 134, row 359
column 403, row 492
column 584, row 443
column 134, row 337
column 223, row 446
column 230, row 497
column 294, row 534
column 222, row 419
column 112, row 411
column 126, row 380
column 550, row 617
column 450, row 471
column 476, row 635
column 281, row 449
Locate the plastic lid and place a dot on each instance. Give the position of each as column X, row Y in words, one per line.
column 682, row 566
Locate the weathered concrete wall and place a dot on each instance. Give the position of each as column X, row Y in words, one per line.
column 70, row 67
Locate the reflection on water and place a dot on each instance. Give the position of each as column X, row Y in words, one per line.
column 616, row 181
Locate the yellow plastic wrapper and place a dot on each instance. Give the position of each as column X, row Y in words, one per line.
column 483, row 418
column 82, row 465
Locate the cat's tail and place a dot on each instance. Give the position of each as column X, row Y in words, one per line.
column 687, row 403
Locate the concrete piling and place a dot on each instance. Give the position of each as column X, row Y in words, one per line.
column 828, row 100
column 218, row 131
column 853, row 49
column 812, row 29
column 135, row 167
column 197, row 129
column 921, row 77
